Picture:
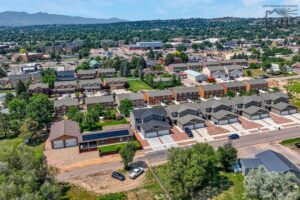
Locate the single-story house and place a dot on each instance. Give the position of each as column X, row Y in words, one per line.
column 64, row 134
column 224, row 117
column 283, row 108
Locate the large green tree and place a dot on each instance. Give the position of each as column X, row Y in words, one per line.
column 127, row 153
column 260, row 184
column 40, row 109
column 126, row 107
column 17, row 108
column 30, row 131
column 20, row 88
column 49, row 76
column 227, row 155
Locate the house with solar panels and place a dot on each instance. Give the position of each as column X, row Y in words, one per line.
column 66, row 133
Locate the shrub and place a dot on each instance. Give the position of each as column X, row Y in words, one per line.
column 114, row 196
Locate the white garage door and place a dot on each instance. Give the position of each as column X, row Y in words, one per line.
column 150, row 135
column 264, row 116
column 58, row 144
column 71, row 142
column 293, row 111
column 233, row 120
column 190, row 127
column 199, row 125
column 284, row 112
column 164, row 132
column 222, row 122
column 254, row 117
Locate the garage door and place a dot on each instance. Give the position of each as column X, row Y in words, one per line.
column 233, row 120
column 150, row 135
column 284, row 112
column 190, row 127
column 164, row 132
column 222, row 122
column 293, row 111
column 254, row 117
column 264, row 116
column 199, row 125
column 58, row 144
column 71, row 142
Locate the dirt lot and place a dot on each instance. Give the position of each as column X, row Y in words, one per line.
column 251, row 151
column 103, row 183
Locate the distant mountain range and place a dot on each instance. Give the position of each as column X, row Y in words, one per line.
column 11, row 18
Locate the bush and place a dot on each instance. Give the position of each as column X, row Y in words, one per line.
column 114, row 196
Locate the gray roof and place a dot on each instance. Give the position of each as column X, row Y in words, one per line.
column 190, row 119
column 91, row 82
column 283, row 106
column 275, row 162
column 212, row 87
column 215, row 68
column 141, row 113
column 64, row 127
column 130, row 96
column 115, row 79
column 212, row 103
column 99, row 99
column 234, row 84
column 224, row 114
column 274, row 96
column 233, row 67
column 106, row 70
column 185, row 89
column 246, row 99
column 250, row 163
column 255, row 110
column 68, row 101
column 18, row 76
column 155, row 125
column 65, row 83
column 86, row 72
column 155, row 93
column 256, row 81
column 182, row 107
column 38, row 85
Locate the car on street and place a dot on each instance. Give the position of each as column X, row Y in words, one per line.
column 263, row 76
column 188, row 132
column 233, row 136
column 136, row 172
column 118, row 176
column 297, row 144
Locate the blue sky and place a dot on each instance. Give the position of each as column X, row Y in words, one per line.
column 145, row 9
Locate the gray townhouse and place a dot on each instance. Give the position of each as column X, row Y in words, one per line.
column 214, row 71
column 61, row 106
column 106, row 101
column 185, row 93
column 186, row 116
column 249, row 107
column 218, row 112
column 151, row 122
column 90, row 85
column 86, row 74
column 278, row 103
column 233, row 71
column 137, row 99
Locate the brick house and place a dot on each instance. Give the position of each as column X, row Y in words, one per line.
column 185, row 93
column 39, row 88
column 106, row 101
column 86, row 74
column 237, row 87
column 210, row 91
column 256, row 85
column 90, row 85
column 61, row 106
column 115, row 82
column 137, row 99
column 64, row 87
column 158, row 96
column 107, row 72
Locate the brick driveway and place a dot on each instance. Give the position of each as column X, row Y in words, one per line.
column 248, row 124
column 279, row 120
column 215, row 130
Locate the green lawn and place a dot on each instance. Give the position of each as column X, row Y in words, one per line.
column 235, row 192
column 7, row 91
column 137, row 85
column 295, row 102
column 290, row 141
column 73, row 192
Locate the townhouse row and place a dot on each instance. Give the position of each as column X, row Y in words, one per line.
column 152, row 122
column 198, row 66
column 65, row 87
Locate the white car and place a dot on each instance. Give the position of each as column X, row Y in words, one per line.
column 136, row 172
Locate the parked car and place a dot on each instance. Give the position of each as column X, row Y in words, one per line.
column 188, row 132
column 136, row 172
column 263, row 76
column 297, row 144
column 233, row 136
column 118, row 176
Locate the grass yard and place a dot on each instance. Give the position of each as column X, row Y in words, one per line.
column 256, row 72
column 7, row 91
column 235, row 192
column 73, row 192
column 137, row 85
column 295, row 102
column 290, row 141
column 98, row 126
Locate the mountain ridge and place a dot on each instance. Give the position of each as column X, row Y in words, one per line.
column 13, row 18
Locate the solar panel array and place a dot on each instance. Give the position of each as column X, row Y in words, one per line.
column 105, row 135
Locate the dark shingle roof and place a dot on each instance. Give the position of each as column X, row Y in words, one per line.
column 234, row 84
column 160, row 111
column 185, row 89
column 130, row 96
column 99, row 99
column 38, row 85
column 212, row 87
column 68, row 101
column 156, row 93
column 155, row 125
column 255, row 81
